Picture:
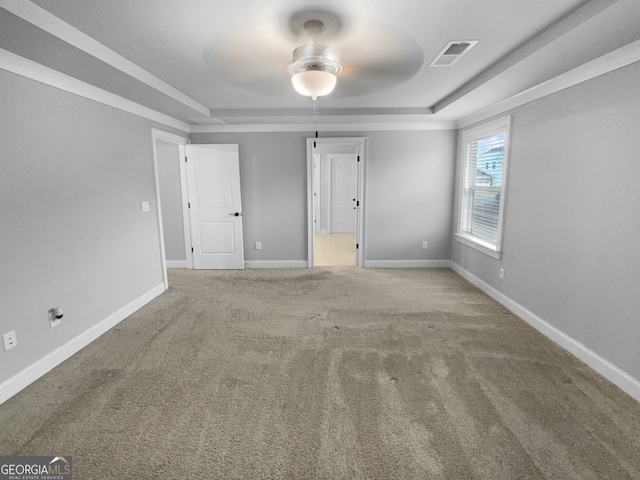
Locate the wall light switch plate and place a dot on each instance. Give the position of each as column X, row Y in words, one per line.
column 258, row 245
column 145, row 206
column 501, row 273
column 425, row 245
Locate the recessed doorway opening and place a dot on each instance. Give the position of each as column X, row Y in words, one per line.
column 335, row 182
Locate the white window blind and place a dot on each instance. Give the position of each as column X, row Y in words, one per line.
column 483, row 175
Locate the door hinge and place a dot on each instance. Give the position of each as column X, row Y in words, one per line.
column 357, row 246
column 185, row 159
column 358, row 157
column 189, row 204
column 191, row 249
column 358, row 203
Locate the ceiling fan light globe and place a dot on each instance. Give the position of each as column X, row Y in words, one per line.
column 314, row 83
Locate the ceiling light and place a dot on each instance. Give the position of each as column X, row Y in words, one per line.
column 314, row 83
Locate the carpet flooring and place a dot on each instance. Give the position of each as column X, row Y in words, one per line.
column 330, row 373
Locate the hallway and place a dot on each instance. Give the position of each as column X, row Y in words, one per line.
column 335, row 249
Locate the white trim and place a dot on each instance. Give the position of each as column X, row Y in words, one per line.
column 176, row 264
column 363, row 153
column 408, row 263
column 615, row 375
column 328, row 127
column 171, row 138
column 478, row 244
column 609, row 62
column 48, row 22
column 29, row 69
column 275, row 264
column 327, row 188
column 33, row 372
column 186, row 220
column 316, row 193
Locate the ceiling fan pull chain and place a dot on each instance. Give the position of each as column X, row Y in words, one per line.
column 315, row 125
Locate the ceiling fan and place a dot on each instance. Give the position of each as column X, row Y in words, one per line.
column 315, row 66
column 358, row 55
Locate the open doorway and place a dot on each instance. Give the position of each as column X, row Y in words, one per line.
column 170, row 186
column 335, row 227
column 336, row 207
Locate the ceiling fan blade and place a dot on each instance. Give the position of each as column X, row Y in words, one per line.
column 255, row 60
column 376, row 57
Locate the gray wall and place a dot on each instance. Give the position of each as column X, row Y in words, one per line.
column 171, row 200
column 572, row 206
column 409, row 193
column 73, row 174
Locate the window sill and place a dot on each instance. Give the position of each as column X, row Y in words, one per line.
column 477, row 244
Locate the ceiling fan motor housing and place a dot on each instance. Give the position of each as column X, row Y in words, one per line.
column 315, row 57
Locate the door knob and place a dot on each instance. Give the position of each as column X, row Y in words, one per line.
column 235, row 214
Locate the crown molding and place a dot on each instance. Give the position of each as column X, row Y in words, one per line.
column 323, row 127
column 27, row 68
column 609, row 62
column 48, row 22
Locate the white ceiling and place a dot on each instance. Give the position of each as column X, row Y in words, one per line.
column 214, row 62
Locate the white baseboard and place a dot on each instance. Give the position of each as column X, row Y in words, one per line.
column 33, row 372
column 276, row 264
column 408, row 263
column 176, row 264
column 608, row 370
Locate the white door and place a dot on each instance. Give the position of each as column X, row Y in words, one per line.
column 215, row 213
column 343, row 192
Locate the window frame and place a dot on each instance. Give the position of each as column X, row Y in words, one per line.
column 501, row 125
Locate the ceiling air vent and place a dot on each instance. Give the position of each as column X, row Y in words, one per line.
column 452, row 52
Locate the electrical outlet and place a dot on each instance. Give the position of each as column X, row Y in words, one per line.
column 425, row 245
column 55, row 316
column 258, row 245
column 501, row 274
column 10, row 340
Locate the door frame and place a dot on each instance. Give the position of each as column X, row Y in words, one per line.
column 181, row 142
column 316, row 191
column 361, row 150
